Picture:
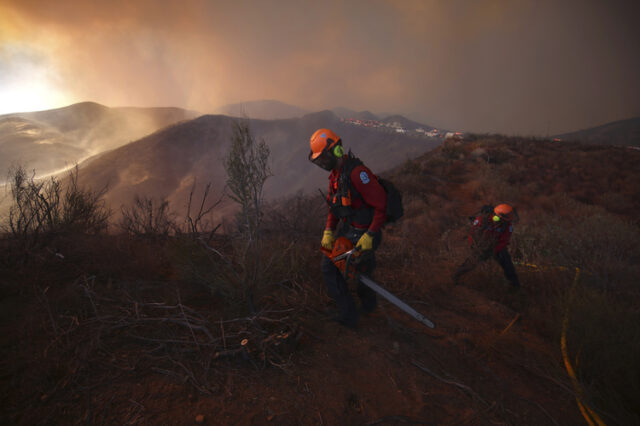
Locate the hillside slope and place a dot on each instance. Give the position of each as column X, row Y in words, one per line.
column 262, row 110
column 47, row 141
column 622, row 132
column 165, row 164
column 123, row 330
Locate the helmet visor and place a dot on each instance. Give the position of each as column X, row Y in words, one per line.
column 324, row 160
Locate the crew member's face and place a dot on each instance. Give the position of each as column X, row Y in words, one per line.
column 326, row 160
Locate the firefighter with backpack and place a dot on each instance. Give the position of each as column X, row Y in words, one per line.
column 357, row 199
column 489, row 237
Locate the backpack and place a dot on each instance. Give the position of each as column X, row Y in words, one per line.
column 395, row 210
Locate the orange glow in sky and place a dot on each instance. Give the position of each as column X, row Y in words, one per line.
column 529, row 67
column 28, row 83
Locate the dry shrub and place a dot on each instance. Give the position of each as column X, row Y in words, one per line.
column 474, row 188
column 603, row 339
column 604, row 323
column 584, row 236
column 45, row 210
column 453, row 149
column 413, row 207
column 498, row 155
column 148, row 218
column 616, row 202
column 295, row 217
column 291, row 229
column 494, row 187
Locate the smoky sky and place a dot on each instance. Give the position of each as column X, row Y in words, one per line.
column 516, row 67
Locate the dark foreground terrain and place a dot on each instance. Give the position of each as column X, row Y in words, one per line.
column 122, row 329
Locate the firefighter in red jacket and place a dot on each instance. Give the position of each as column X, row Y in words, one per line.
column 356, row 199
column 489, row 237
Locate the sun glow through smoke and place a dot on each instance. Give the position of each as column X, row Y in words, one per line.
column 27, row 81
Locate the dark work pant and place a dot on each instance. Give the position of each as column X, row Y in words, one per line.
column 337, row 286
column 502, row 257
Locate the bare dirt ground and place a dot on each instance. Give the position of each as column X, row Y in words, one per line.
column 483, row 364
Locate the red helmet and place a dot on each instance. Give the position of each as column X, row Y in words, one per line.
column 322, row 141
column 504, row 212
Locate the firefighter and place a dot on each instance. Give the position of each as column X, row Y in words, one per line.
column 489, row 237
column 357, row 201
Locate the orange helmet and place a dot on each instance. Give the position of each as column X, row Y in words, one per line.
column 504, row 212
column 322, row 141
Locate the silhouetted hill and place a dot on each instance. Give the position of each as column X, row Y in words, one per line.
column 406, row 123
column 349, row 113
column 263, row 110
column 165, row 164
column 50, row 140
column 623, row 132
column 344, row 112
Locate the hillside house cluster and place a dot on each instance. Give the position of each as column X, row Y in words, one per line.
column 363, row 123
column 395, row 127
column 454, row 135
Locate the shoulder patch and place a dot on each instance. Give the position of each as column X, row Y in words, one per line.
column 476, row 222
column 364, row 177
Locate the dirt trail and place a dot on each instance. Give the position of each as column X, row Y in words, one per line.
column 379, row 373
column 477, row 366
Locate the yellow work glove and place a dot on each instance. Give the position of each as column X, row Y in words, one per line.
column 365, row 242
column 327, row 239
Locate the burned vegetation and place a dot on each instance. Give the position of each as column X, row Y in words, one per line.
column 159, row 319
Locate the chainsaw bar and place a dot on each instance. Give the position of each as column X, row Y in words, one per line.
column 394, row 300
column 341, row 256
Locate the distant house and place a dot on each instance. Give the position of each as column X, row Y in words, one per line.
column 400, row 130
column 457, row 136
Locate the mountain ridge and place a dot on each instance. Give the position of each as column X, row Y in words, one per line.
column 165, row 164
column 266, row 109
column 50, row 140
column 620, row 132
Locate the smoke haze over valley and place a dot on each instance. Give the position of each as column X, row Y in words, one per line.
column 48, row 141
column 528, row 67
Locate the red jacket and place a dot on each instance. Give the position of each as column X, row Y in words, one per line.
column 489, row 232
column 372, row 196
